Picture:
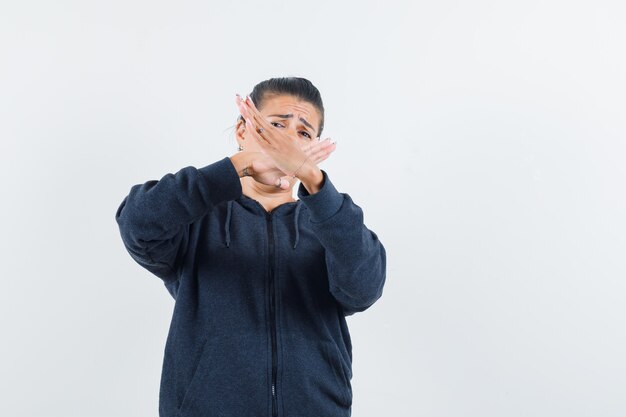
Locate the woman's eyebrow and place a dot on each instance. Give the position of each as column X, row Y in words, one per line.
column 289, row 116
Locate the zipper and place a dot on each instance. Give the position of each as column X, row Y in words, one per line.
column 272, row 310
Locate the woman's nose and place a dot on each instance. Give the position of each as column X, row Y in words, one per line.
column 293, row 131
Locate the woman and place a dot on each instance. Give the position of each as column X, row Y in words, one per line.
column 262, row 282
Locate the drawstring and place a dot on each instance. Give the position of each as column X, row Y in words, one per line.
column 227, row 225
column 295, row 225
column 229, row 210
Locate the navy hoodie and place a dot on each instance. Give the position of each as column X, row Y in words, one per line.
column 258, row 327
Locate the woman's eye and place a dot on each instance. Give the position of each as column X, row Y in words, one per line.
column 280, row 125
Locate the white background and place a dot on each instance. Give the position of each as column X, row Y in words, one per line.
column 484, row 140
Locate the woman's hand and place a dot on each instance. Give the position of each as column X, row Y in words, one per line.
column 263, row 170
column 285, row 153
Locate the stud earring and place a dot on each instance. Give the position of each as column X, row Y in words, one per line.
column 240, row 148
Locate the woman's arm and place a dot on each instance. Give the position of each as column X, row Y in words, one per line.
column 154, row 218
column 355, row 257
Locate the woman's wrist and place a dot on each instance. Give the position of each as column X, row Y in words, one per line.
column 242, row 163
column 311, row 177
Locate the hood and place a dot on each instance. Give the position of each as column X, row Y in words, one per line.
column 283, row 209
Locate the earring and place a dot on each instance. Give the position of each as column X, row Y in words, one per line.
column 240, row 148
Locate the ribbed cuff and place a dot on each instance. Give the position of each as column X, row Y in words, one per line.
column 222, row 180
column 324, row 203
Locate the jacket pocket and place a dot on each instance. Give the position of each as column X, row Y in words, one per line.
column 205, row 356
column 313, row 380
column 229, row 380
column 344, row 372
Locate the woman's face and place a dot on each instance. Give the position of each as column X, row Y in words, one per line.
column 299, row 119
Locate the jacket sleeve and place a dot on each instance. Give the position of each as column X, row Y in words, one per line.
column 355, row 257
column 154, row 218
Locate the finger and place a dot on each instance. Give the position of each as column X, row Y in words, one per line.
column 239, row 101
column 251, row 109
column 324, row 153
column 259, row 122
column 244, row 109
column 255, row 133
column 321, row 157
column 319, row 143
column 248, row 101
column 283, row 183
column 318, row 146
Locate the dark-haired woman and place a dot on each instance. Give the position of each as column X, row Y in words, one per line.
column 262, row 282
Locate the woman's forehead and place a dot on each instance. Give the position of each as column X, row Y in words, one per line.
column 284, row 104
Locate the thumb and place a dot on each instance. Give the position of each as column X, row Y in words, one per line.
column 284, row 182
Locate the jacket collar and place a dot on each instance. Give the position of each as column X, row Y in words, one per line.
column 256, row 207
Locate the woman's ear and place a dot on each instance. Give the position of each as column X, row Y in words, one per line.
column 240, row 129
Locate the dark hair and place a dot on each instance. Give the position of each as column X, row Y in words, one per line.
column 300, row 88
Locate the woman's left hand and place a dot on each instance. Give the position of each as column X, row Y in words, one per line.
column 288, row 156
